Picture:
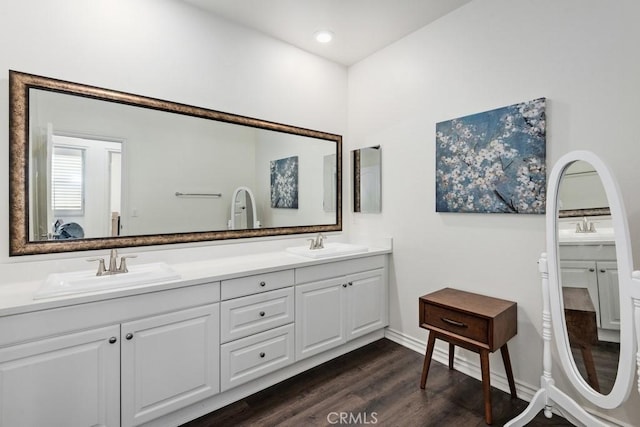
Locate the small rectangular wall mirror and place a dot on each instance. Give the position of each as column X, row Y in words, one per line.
column 367, row 180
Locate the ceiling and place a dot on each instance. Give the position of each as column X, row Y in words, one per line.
column 360, row 27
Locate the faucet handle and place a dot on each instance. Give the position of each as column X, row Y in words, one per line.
column 101, row 268
column 312, row 245
column 123, row 263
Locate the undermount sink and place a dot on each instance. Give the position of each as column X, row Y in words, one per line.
column 58, row 284
column 329, row 250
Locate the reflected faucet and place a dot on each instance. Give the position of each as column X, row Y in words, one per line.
column 318, row 242
column 585, row 226
column 113, row 259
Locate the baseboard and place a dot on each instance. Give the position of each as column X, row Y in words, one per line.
column 466, row 366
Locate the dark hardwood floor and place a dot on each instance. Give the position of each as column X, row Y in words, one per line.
column 376, row 385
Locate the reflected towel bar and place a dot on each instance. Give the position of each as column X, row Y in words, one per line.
column 179, row 194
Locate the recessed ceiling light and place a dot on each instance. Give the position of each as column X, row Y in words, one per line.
column 323, row 36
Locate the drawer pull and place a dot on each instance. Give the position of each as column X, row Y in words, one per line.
column 262, row 313
column 262, row 354
column 454, row 322
column 263, row 284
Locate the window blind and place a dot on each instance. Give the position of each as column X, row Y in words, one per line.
column 67, row 171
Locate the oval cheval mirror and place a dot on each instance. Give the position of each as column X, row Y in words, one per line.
column 587, row 288
column 589, row 279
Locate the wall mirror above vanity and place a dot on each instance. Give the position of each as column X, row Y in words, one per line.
column 93, row 168
column 367, row 179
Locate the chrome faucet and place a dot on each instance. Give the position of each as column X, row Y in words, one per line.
column 585, row 226
column 318, row 242
column 113, row 260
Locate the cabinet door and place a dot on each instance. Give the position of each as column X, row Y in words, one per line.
column 66, row 381
column 320, row 316
column 582, row 274
column 168, row 362
column 609, row 294
column 367, row 303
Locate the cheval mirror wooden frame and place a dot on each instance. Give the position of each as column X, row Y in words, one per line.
column 549, row 397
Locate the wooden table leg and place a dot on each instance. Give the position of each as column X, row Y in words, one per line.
column 486, row 385
column 507, row 367
column 427, row 358
column 592, row 376
column 452, row 349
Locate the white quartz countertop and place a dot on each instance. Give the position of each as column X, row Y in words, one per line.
column 16, row 298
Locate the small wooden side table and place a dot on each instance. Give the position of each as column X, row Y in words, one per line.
column 476, row 322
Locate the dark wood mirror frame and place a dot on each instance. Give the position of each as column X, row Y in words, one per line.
column 19, row 243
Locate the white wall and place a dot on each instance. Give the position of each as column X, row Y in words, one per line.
column 582, row 56
column 164, row 49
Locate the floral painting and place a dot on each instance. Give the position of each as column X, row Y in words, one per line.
column 493, row 161
column 284, row 183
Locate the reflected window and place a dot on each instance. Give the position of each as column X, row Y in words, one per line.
column 67, row 183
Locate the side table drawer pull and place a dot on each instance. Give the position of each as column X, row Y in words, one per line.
column 453, row 322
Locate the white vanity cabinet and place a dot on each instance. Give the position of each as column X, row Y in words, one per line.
column 331, row 311
column 594, row 267
column 110, row 363
column 256, row 327
column 168, row 362
column 164, row 357
column 86, row 365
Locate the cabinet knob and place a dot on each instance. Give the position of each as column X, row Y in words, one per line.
column 262, row 354
column 344, row 285
column 263, row 284
column 129, row 336
column 350, row 283
column 602, row 270
column 112, row 340
column 262, row 313
column 592, row 270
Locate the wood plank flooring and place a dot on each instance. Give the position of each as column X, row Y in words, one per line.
column 376, row 385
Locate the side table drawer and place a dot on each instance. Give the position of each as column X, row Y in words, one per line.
column 249, row 358
column 457, row 322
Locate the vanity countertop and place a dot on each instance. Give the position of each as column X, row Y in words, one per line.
column 17, row 298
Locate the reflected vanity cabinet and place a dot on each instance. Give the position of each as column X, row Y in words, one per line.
column 594, row 267
column 163, row 358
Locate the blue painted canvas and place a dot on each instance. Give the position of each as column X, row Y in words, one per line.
column 284, row 183
column 493, row 161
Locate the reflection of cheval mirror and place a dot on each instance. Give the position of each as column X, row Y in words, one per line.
column 588, row 292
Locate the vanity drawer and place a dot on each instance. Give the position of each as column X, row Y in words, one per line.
column 250, row 285
column 241, row 317
column 249, row 358
column 457, row 322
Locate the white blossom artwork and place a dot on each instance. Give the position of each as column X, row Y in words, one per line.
column 284, row 183
column 493, row 162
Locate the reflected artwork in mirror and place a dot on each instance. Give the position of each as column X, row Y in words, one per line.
column 134, row 171
column 589, row 276
column 367, row 182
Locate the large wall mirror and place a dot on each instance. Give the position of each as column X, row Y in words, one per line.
column 92, row 168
